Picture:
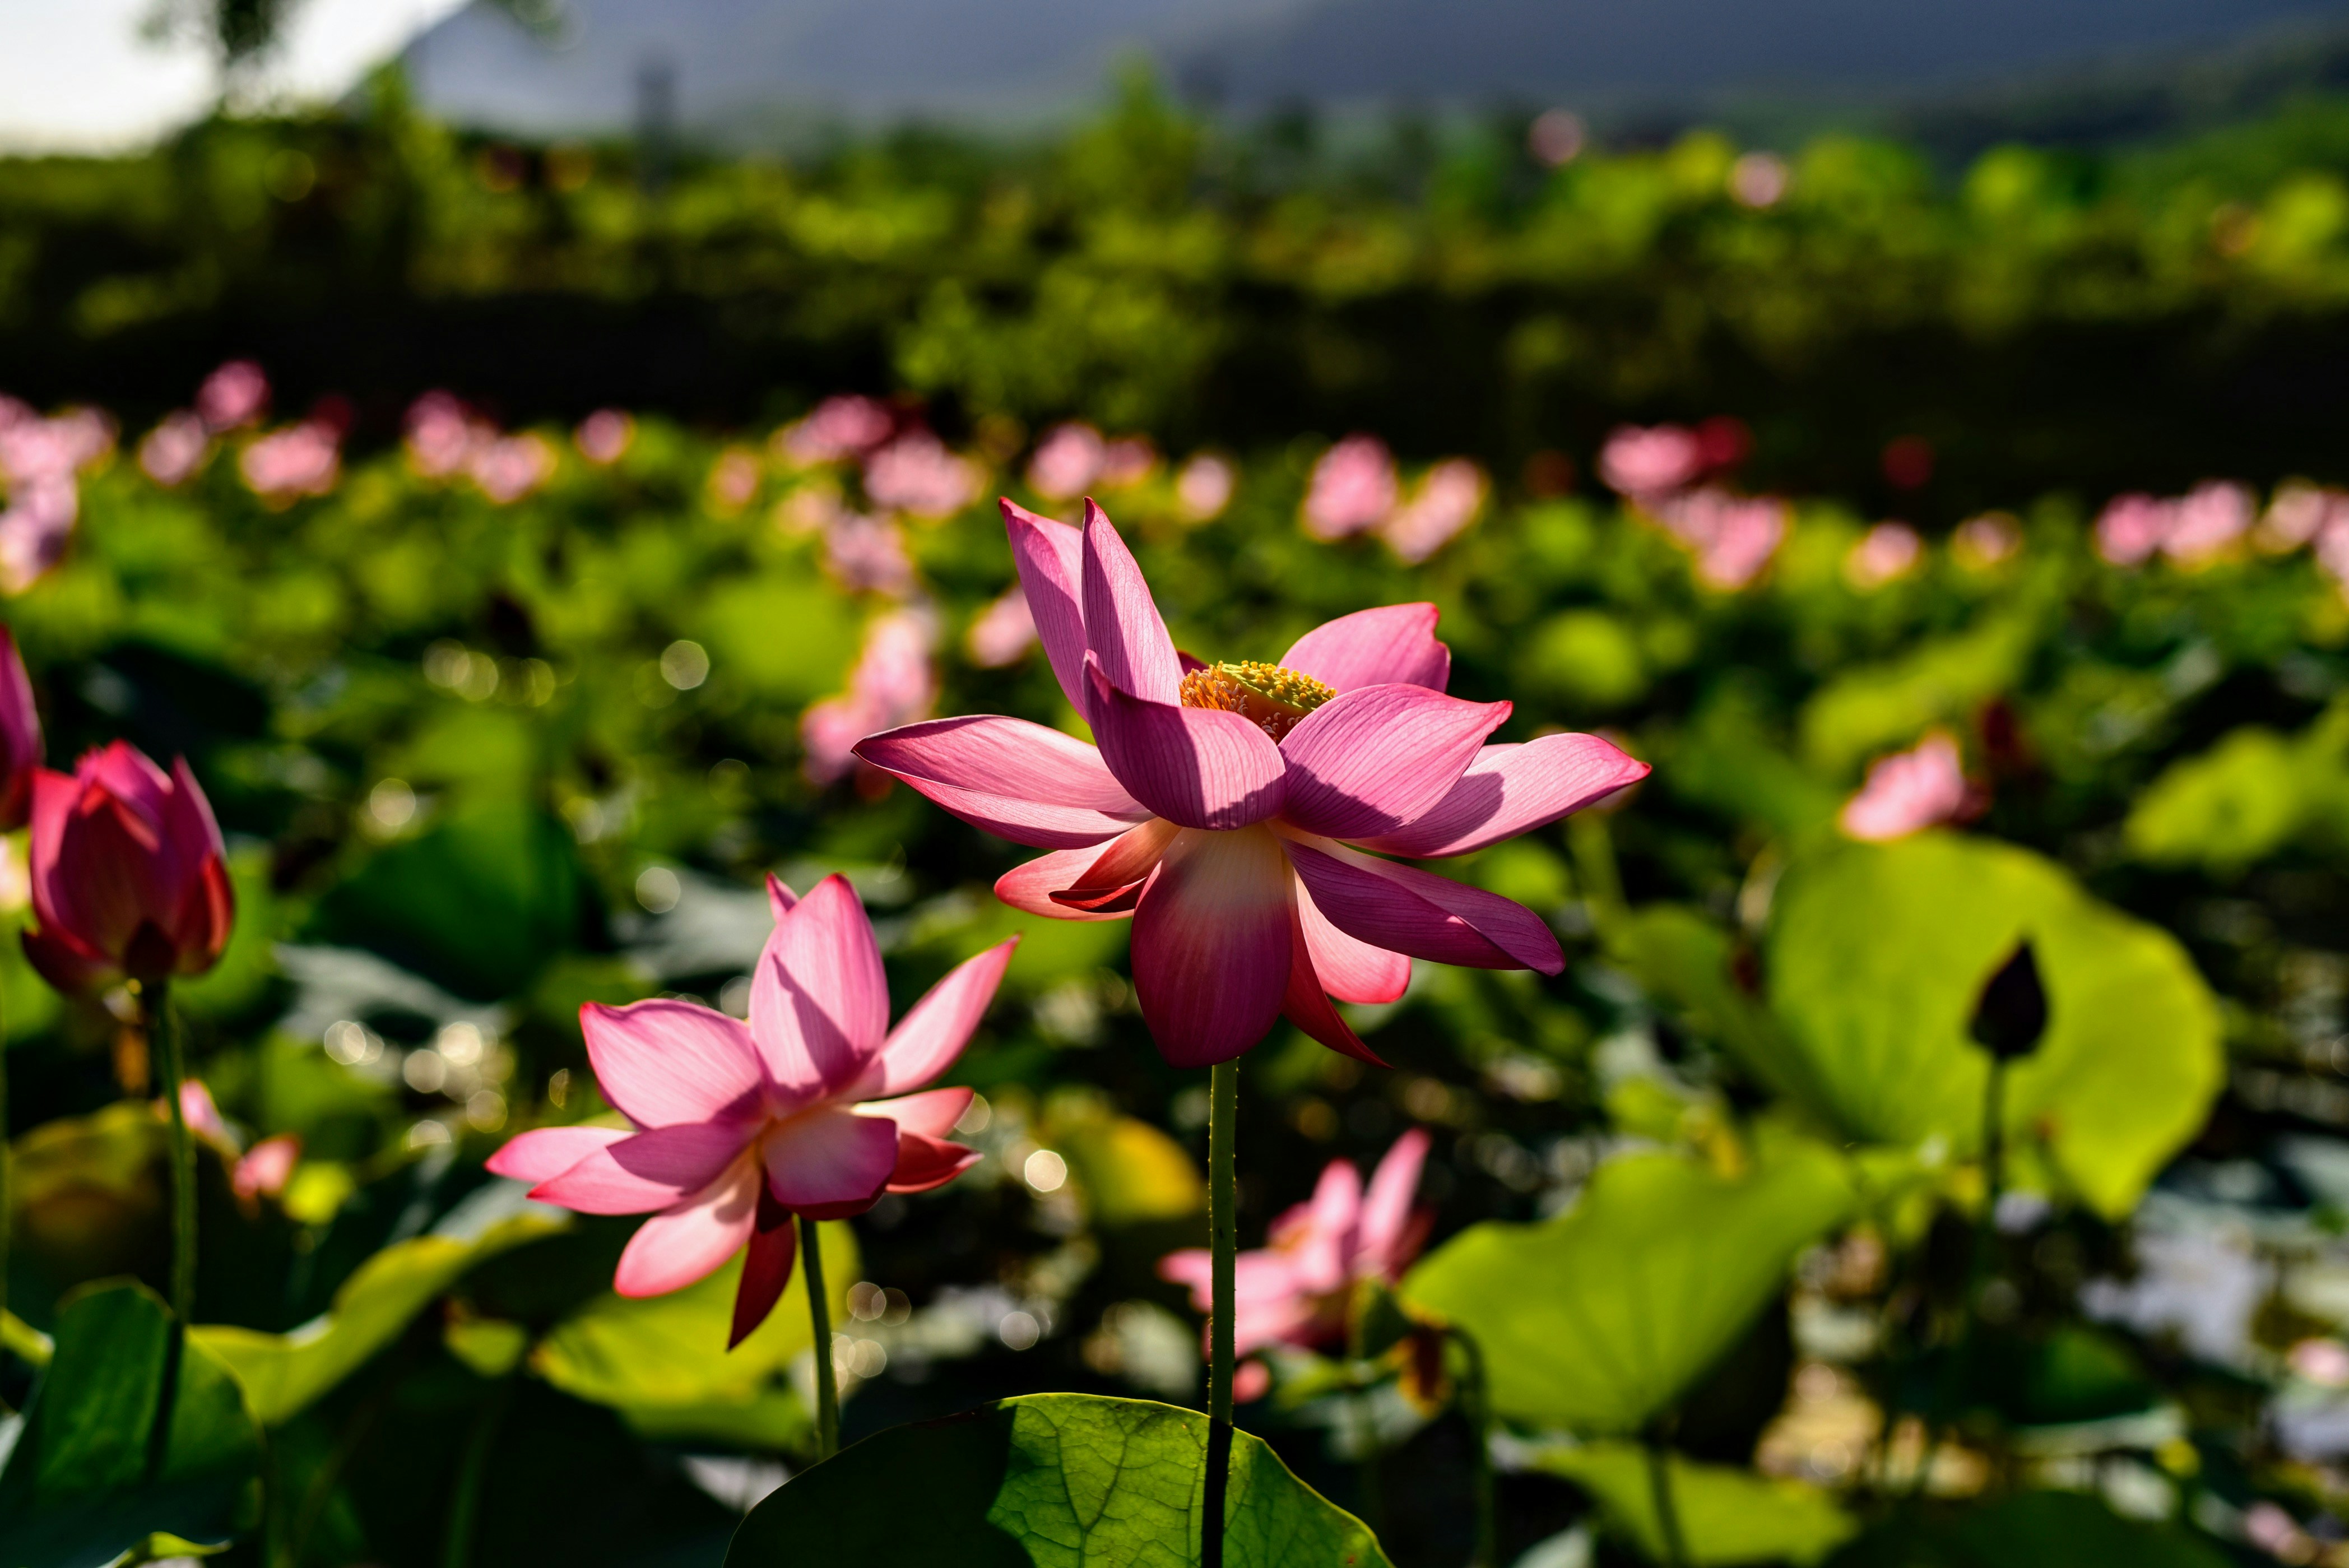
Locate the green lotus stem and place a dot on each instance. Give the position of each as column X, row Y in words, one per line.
column 827, row 1386
column 1476, row 1405
column 470, row 1467
column 163, row 1038
column 1223, row 1239
column 1660, row 1493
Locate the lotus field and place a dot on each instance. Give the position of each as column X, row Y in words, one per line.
column 626, row 993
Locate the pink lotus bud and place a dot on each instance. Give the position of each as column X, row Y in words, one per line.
column 1908, row 791
column 916, row 474
column 2206, row 521
column 841, row 427
column 2133, row 527
column 130, row 875
column 265, row 1170
column 1205, row 487
column 20, row 737
column 1447, row 501
column 510, row 467
column 232, row 395
column 174, row 449
column 604, row 436
column 201, row 1113
column 1887, row 550
column 300, row 460
column 1643, row 463
column 1353, row 488
column 1067, row 460
column 441, row 434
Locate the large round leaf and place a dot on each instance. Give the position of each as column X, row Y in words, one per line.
column 133, row 1432
column 1877, row 954
column 1599, row 1319
column 1047, row 1480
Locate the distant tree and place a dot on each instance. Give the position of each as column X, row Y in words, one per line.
column 241, row 34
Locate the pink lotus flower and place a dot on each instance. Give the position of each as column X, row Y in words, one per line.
column 35, row 529
column 264, row 1170
column 893, row 683
column 867, row 554
column 2296, row 513
column 604, row 437
column 1447, row 501
column 20, row 736
column 1296, row 1290
column 232, row 395
column 840, row 427
column 808, row 1108
column 1129, row 460
column 442, row 434
column 2206, row 521
column 175, row 447
column 2132, row 527
column 1353, row 488
column 1986, row 540
column 300, row 460
column 1067, row 460
column 1733, row 536
column 129, row 877
column 1219, row 806
column 734, row 479
column 1003, row 632
column 1205, row 487
column 915, row 474
column 1885, row 552
column 508, row 468
column 1641, row 463
column 1909, row 790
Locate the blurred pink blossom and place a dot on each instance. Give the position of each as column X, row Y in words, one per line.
column 32, row 449
column 916, row 474
column 1128, row 460
column 734, row 479
column 1759, row 180
column 2272, row 1528
column 1002, row 633
column 867, row 554
column 508, row 468
column 1555, row 138
column 1986, row 540
column 2207, row 520
column 34, row 530
column 234, row 394
column 1068, row 459
column 2323, row 1361
column 840, row 427
column 1353, row 488
column 1733, row 536
column 2132, row 527
column 2296, row 512
column 604, row 437
column 265, row 1168
column 1641, row 463
column 1296, row 1290
column 300, row 460
column 810, row 509
column 1205, row 487
column 2332, row 548
column 201, row 1113
column 442, row 434
column 1908, row 791
column 1887, row 550
column 175, row 447
column 1447, row 501
column 895, row 683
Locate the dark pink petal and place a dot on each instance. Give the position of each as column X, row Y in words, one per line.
column 1317, row 1235
column 935, row 1029
column 932, row 1112
column 1374, row 647
column 646, row 1170
column 780, row 898
column 1200, row 767
column 108, row 880
column 1377, row 757
column 1123, row 865
column 1014, row 779
column 53, row 796
column 1386, row 1222
column 925, row 1163
column 129, row 774
column 1052, row 560
column 546, row 1153
column 1212, row 946
column 830, row 1163
column 20, row 736
column 819, row 999
column 664, row 1061
column 1123, row 629
column 1349, row 970
column 191, row 833
column 689, row 1239
column 1031, row 885
column 199, row 931
column 1509, row 790
column 1408, row 911
column 766, row 1267
column 1306, row 1003
column 57, row 958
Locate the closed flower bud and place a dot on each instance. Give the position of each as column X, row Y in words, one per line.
column 2011, row 1013
column 129, row 877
